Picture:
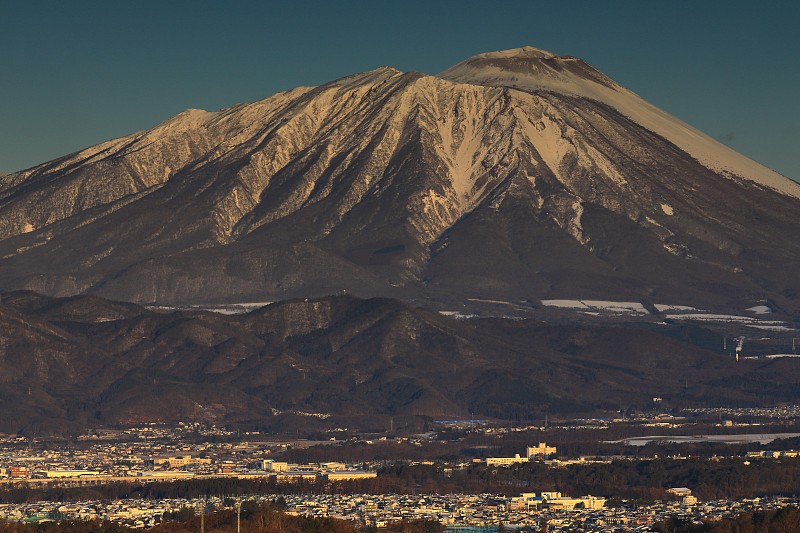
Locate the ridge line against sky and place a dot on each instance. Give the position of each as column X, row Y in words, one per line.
column 78, row 73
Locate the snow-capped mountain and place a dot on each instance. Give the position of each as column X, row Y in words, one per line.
column 515, row 175
column 532, row 70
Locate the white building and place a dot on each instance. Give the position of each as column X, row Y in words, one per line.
column 349, row 474
column 556, row 501
column 542, row 451
column 66, row 473
column 274, row 466
column 505, row 461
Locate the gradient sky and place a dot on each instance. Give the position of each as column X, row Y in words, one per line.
column 75, row 73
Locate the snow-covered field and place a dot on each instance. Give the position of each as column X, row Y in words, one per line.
column 634, row 308
column 761, row 438
column 223, row 309
column 775, row 325
column 771, row 328
column 672, row 312
column 678, row 308
column 457, row 314
column 712, row 317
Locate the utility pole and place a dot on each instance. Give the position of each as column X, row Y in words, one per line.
column 239, row 516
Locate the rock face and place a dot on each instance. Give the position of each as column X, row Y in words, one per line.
column 514, row 175
column 71, row 363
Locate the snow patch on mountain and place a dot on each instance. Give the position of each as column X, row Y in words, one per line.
column 671, row 307
column 599, row 305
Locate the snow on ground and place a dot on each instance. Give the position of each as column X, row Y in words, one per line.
column 667, row 307
column 725, row 318
column 599, row 305
column 566, row 304
column 761, row 438
column 779, row 355
column 237, row 309
column 713, row 317
column 674, row 312
column 457, row 315
column 483, row 300
column 223, row 309
column 770, row 325
column 771, row 328
column 617, row 307
column 759, row 309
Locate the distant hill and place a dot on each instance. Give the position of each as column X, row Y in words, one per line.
column 78, row 362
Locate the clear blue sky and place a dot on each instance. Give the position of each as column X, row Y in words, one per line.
column 74, row 73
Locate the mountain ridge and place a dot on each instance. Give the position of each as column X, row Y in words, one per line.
column 69, row 364
column 368, row 183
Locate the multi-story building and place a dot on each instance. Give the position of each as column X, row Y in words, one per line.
column 505, row 461
column 542, row 451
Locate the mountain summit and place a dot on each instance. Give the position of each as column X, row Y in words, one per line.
column 516, row 53
column 530, row 69
column 514, row 175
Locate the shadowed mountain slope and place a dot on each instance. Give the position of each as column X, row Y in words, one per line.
column 79, row 362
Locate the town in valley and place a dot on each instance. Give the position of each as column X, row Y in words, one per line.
column 149, row 474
